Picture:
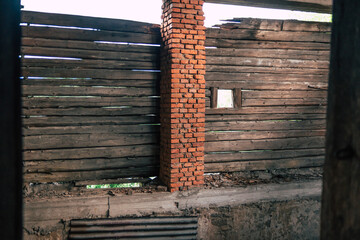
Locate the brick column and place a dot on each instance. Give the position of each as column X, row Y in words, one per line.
column 182, row 94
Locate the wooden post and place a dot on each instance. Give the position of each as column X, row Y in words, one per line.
column 10, row 122
column 340, row 218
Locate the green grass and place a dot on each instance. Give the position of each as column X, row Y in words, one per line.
column 120, row 185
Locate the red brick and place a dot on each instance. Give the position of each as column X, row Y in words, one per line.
column 183, row 94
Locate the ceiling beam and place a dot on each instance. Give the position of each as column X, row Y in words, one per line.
column 320, row 6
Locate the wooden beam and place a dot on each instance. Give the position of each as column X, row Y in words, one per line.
column 341, row 191
column 320, row 6
column 10, row 122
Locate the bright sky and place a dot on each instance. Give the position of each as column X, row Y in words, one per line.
column 148, row 10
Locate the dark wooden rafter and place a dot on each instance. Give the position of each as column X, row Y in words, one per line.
column 341, row 192
column 10, row 122
column 321, row 6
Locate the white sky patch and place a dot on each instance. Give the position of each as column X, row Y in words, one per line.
column 150, row 10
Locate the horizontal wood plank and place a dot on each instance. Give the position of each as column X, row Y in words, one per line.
column 94, row 35
column 264, row 35
column 42, row 121
column 263, row 155
column 89, row 164
column 98, row 101
column 90, row 45
column 240, row 43
column 265, row 144
column 88, row 22
column 253, row 135
column 87, row 140
column 264, row 164
column 94, row 152
column 90, row 54
column 91, row 175
column 29, row 90
column 265, row 125
column 89, row 73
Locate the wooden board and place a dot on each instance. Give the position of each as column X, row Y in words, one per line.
column 88, row 22
column 263, row 155
column 87, row 140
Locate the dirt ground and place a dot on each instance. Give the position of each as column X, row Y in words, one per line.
column 215, row 180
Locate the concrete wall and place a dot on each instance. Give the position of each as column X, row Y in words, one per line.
column 294, row 219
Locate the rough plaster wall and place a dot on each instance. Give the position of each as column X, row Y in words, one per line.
column 295, row 219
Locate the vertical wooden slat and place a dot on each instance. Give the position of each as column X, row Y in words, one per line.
column 214, row 97
column 341, row 191
column 237, row 97
column 10, row 122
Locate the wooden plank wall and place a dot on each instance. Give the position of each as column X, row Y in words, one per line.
column 90, row 97
column 281, row 70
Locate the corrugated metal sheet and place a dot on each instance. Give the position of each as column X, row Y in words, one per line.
column 135, row 228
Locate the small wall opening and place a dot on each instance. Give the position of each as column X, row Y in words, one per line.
column 225, row 98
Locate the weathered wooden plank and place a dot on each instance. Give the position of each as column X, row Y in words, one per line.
column 277, row 25
column 94, row 35
column 284, row 102
column 88, row 22
column 257, row 117
column 11, row 204
column 266, row 62
column 87, row 140
column 94, row 152
column 249, row 44
column 41, row 121
column 89, row 73
column 147, row 171
column 249, row 135
column 265, row 125
column 321, row 72
column 264, row 35
column 29, row 90
column 269, row 53
column 40, row 81
column 89, row 64
column 95, row 129
column 269, row 110
column 88, row 164
column 340, row 211
column 91, row 111
column 265, row 164
column 90, row 54
column 90, row 45
column 291, row 25
column 265, row 144
column 66, row 102
column 264, row 78
column 252, row 23
column 284, row 94
column 273, row 155
column 268, row 85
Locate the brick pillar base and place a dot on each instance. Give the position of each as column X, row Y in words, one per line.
column 182, row 90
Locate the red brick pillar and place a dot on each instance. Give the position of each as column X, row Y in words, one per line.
column 182, row 94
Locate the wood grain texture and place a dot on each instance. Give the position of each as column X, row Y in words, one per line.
column 90, row 98
column 281, row 68
column 10, row 122
column 340, row 213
